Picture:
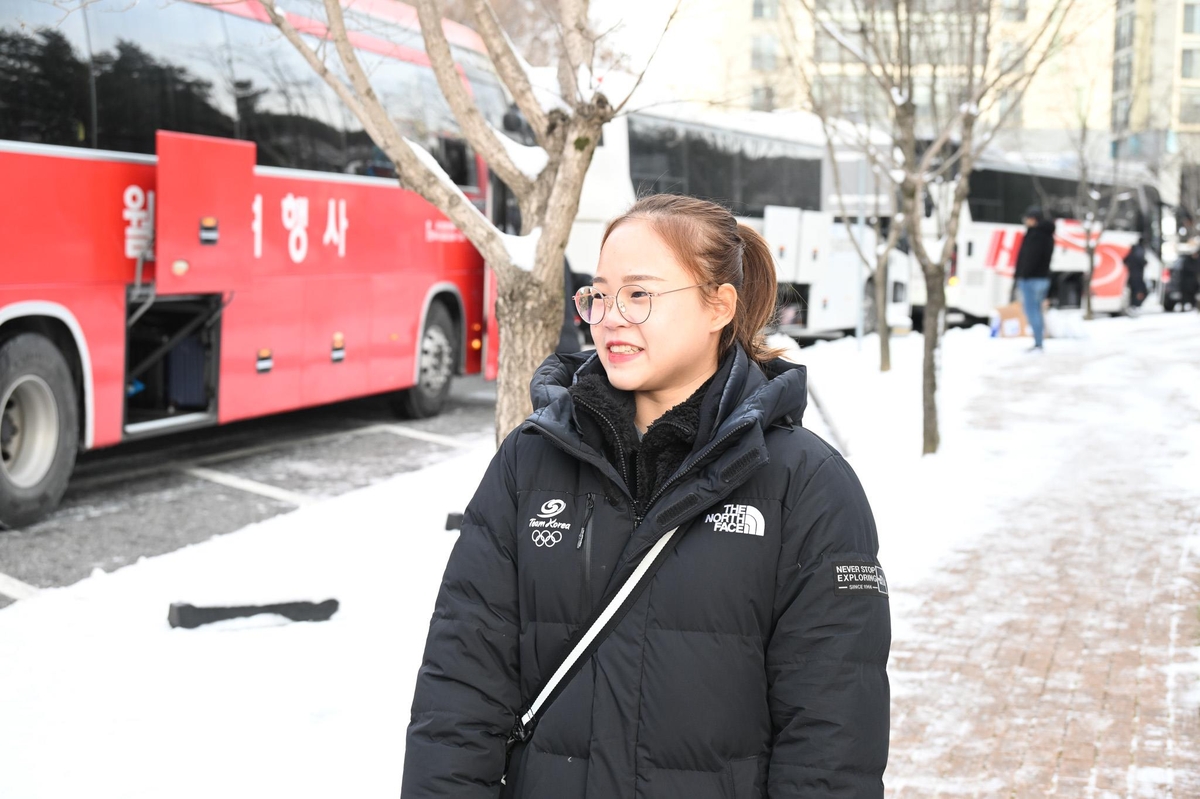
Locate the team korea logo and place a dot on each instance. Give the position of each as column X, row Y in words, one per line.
column 548, row 530
column 744, row 519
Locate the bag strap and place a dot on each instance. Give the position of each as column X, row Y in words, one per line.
column 603, row 622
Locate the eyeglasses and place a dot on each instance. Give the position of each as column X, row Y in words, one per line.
column 633, row 302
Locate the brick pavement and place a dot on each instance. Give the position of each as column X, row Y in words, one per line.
column 1059, row 657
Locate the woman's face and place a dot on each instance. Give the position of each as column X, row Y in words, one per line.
column 676, row 347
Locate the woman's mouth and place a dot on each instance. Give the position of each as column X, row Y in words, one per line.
column 619, row 352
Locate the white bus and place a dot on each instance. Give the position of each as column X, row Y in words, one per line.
column 979, row 277
column 771, row 169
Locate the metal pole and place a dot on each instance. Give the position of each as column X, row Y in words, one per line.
column 862, row 207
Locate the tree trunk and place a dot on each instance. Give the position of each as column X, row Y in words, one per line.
column 935, row 312
column 530, row 316
column 1087, row 282
column 881, row 320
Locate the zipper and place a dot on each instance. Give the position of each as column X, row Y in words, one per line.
column 587, row 518
column 616, row 439
column 695, row 462
column 587, row 551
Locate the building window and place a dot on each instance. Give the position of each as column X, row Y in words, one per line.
column 1124, row 36
column 1122, row 73
column 762, row 54
column 1013, row 10
column 1191, row 64
column 766, row 9
column 1191, row 17
column 1120, row 114
column 762, row 99
column 1189, row 107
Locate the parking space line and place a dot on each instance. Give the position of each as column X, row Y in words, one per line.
column 250, row 486
column 13, row 588
column 421, row 435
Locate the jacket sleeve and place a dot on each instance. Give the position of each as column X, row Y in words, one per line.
column 827, row 657
column 467, row 692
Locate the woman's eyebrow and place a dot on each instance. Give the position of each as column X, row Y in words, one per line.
column 629, row 279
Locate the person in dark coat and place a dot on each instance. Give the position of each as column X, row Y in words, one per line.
column 1033, row 270
column 1135, row 265
column 754, row 662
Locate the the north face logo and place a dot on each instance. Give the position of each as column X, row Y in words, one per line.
column 547, row 530
column 744, row 519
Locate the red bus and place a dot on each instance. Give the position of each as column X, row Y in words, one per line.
column 196, row 231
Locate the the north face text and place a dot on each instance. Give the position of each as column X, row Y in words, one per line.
column 744, row 519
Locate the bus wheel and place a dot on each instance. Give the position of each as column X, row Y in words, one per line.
column 435, row 370
column 39, row 428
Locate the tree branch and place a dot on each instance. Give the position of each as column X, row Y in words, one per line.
column 481, row 135
column 508, row 66
column 650, row 60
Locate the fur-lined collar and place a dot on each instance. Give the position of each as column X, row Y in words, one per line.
column 605, row 416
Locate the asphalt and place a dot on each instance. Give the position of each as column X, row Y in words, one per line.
column 152, row 497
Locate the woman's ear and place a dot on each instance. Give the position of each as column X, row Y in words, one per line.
column 724, row 306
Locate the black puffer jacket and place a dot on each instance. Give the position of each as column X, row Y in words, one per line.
column 1037, row 249
column 753, row 665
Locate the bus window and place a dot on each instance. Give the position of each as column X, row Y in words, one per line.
column 488, row 96
column 44, row 86
column 656, row 159
column 158, row 67
column 792, row 182
column 712, row 172
column 283, row 106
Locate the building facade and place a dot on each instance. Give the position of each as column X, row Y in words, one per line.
column 1156, row 93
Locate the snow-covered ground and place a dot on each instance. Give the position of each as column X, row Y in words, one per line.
column 100, row 698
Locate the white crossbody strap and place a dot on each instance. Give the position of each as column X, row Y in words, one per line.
column 589, row 637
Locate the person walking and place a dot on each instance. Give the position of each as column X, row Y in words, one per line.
column 1135, row 265
column 1033, row 270
column 753, row 661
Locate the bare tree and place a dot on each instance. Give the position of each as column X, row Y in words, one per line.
column 546, row 180
column 842, row 137
column 948, row 86
column 1096, row 202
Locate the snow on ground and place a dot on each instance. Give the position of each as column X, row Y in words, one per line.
column 926, row 508
column 101, row 698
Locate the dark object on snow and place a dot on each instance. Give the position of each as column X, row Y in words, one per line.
column 454, row 521
column 1037, row 248
column 190, row 617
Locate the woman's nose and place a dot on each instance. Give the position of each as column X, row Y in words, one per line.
column 612, row 314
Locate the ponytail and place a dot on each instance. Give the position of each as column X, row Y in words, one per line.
column 713, row 245
column 756, row 298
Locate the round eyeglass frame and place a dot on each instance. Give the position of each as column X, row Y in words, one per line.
column 607, row 300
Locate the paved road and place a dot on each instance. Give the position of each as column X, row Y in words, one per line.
column 1058, row 655
column 152, row 497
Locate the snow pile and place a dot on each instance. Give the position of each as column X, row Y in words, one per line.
column 530, row 160
column 93, row 676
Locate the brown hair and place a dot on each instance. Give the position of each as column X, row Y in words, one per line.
column 717, row 249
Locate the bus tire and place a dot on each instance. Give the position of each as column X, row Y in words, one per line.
column 437, row 358
column 39, row 428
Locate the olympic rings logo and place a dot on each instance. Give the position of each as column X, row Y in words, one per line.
column 546, row 538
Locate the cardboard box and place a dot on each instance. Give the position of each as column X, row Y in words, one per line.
column 1008, row 321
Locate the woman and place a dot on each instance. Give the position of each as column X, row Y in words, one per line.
column 753, row 664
